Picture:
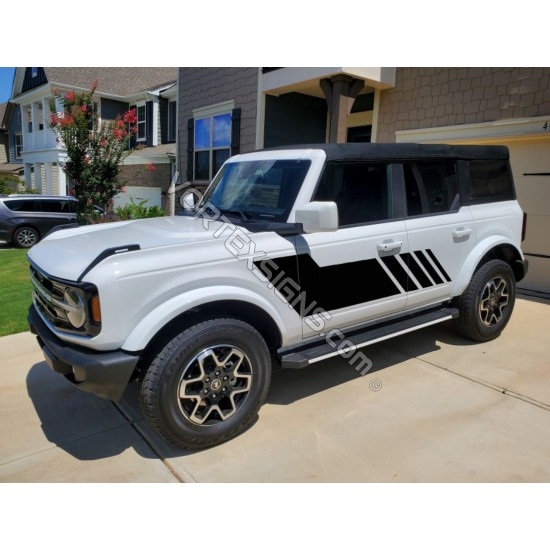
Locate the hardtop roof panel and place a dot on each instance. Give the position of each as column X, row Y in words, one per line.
column 391, row 151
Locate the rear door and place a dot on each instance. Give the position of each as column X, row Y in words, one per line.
column 440, row 231
column 55, row 211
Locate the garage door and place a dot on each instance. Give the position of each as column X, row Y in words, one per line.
column 151, row 194
column 530, row 162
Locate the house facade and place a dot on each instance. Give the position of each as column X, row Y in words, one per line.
column 224, row 111
column 151, row 91
column 10, row 141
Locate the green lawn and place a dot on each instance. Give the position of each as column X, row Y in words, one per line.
column 15, row 291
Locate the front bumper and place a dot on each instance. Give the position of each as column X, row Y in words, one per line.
column 105, row 374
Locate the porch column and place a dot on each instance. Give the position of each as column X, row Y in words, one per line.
column 48, row 177
column 38, row 177
column 35, row 119
column 340, row 92
column 28, row 176
column 62, row 179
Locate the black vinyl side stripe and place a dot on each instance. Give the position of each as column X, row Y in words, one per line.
column 438, row 265
column 428, row 267
column 399, row 273
column 416, row 270
column 307, row 286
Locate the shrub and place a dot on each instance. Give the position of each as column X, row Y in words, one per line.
column 136, row 211
column 9, row 184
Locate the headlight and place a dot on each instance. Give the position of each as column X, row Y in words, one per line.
column 76, row 312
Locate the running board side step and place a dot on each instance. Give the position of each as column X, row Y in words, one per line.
column 328, row 347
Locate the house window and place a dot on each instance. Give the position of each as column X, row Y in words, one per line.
column 141, row 122
column 212, row 144
column 18, row 146
column 172, row 115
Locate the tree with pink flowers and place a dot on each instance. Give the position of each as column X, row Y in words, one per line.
column 95, row 152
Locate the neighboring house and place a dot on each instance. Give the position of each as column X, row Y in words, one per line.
column 10, row 141
column 224, row 111
column 151, row 91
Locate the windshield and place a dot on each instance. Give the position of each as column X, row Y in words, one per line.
column 257, row 189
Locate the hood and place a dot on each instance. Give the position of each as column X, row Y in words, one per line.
column 67, row 253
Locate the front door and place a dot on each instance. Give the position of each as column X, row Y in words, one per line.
column 354, row 274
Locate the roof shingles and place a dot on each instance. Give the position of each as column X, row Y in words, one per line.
column 118, row 81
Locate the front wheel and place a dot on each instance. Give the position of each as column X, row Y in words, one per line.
column 207, row 384
column 486, row 305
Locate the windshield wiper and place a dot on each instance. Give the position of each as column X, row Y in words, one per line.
column 244, row 216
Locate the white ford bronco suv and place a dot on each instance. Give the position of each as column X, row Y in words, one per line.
column 293, row 255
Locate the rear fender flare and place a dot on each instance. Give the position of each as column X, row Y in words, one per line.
column 475, row 256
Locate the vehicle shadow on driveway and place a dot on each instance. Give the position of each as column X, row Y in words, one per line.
column 71, row 418
column 83, row 425
column 290, row 385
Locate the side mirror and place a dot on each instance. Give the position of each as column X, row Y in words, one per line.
column 318, row 216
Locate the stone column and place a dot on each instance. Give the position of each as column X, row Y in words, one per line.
column 340, row 92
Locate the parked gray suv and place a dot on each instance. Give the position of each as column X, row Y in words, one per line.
column 25, row 219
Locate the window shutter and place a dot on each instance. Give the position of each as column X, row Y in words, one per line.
column 149, row 123
column 235, row 131
column 163, row 114
column 190, row 147
column 133, row 141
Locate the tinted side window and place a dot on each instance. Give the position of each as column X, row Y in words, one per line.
column 431, row 187
column 362, row 191
column 54, row 205
column 22, row 205
column 489, row 181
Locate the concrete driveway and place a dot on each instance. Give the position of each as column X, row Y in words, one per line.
column 434, row 408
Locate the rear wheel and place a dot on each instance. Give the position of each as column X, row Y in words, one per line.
column 207, row 384
column 487, row 303
column 25, row 237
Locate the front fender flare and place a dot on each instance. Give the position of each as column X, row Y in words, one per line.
column 157, row 319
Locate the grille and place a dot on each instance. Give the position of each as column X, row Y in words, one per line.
column 48, row 298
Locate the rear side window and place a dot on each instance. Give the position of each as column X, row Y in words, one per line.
column 55, row 206
column 489, row 181
column 361, row 190
column 22, row 205
column 431, row 187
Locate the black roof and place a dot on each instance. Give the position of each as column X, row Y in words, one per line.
column 390, row 151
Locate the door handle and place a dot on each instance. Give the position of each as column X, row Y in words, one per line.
column 389, row 246
column 460, row 232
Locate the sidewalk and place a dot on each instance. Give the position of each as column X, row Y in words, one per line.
column 444, row 410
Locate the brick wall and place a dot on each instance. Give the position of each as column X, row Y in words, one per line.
column 434, row 97
column 201, row 87
column 159, row 178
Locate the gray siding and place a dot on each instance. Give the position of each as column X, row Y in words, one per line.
column 432, row 97
column 201, row 87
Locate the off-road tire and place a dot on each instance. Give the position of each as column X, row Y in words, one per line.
column 487, row 303
column 207, row 384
